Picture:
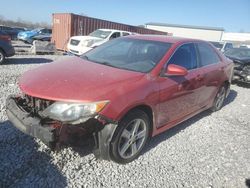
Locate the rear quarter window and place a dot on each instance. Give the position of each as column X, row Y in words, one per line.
column 207, row 55
column 125, row 34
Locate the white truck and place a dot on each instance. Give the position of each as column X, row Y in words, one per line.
column 78, row 45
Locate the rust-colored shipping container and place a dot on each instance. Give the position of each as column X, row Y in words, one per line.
column 66, row 25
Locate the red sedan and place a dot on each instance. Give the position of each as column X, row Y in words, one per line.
column 123, row 92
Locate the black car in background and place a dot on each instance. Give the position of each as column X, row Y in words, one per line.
column 11, row 31
column 6, row 49
column 241, row 59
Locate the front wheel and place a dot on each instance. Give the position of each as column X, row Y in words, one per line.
column 219, row 99
column 130, row 137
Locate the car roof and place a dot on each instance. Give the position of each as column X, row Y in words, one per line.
column 164, row 38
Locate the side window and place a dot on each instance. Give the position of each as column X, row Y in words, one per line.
column 125, row 34
column 42, row 31
column 185, row 56
column 207, row 55
column 115, row 35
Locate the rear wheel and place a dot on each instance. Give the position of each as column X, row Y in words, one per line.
column 219, row 99
column 2, row 56
column 130, row 137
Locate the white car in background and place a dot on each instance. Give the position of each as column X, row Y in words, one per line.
column 222, row 46
column 78, row 45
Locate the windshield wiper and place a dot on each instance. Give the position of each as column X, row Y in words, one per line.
column 106, row 63
column 85, row 57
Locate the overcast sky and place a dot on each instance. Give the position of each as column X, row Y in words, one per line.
column 232, row 15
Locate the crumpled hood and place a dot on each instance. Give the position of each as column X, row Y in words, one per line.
column 242, row 60
column 76, row 80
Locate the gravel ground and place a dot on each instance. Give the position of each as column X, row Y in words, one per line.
column 209, row 150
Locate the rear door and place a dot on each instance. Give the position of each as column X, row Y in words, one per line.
column 212, row 68
column 178, row 94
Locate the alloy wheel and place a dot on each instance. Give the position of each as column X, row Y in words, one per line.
column 220, row 98
column 132, row 138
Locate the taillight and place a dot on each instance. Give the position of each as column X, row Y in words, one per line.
column 5, row 38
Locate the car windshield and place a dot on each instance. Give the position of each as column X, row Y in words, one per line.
column 100, row 34
column 130, row 54
column 240, row 53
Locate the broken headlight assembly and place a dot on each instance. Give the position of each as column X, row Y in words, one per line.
column 73, row 112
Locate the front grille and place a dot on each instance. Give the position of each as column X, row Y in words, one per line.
column 74, row 51
column 36, row 104
column 74, row 42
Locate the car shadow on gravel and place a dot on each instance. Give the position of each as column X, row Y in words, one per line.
column 84, row 146
column 178, row 128
column 17, row 61
column 22, row 164
column 22, row 46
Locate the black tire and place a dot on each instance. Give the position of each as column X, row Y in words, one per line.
column 2, row 56
column 137, row 139
column 219, row 99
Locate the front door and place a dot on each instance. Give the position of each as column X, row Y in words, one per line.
column 178, row 94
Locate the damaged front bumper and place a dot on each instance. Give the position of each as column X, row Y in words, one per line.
column 242, row 76
column 32, row 126
column 241, row 72
column 54, row 134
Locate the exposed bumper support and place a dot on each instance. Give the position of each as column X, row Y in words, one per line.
column 27, row 124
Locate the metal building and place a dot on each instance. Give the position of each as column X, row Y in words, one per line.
column 187, row 31
column 66, row 25
column 237, row 38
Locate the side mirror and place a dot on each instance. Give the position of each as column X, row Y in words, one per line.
column 176, row 70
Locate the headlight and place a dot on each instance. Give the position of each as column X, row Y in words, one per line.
column 69, row 112
column 88, row 43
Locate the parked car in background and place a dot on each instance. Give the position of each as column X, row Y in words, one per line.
column 29, row 36
column 6, row 49
column 222, row 46
column 123, row 92
column 81, row 44
column 43, row 37
column 217, row 45
column 241, row 59
column 226, row 46
column 12, row 32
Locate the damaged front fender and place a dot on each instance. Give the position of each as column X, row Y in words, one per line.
column 102, row 141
